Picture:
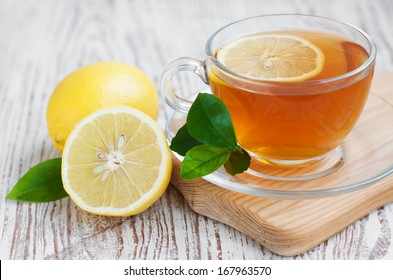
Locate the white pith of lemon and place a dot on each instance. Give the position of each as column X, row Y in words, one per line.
column 116, row 162
column 273, row 57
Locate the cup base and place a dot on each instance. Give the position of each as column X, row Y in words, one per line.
column 296, row 170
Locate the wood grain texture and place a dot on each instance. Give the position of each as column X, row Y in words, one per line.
column 42, row 41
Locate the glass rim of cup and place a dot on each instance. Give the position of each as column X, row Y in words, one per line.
column 361, row 69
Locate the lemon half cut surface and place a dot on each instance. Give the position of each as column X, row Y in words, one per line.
column 273, row 57
column 116, row 162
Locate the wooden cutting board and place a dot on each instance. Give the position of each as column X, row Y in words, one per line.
column 288, row 227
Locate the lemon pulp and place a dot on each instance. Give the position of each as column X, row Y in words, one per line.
column 274, row 57
column 116, row 162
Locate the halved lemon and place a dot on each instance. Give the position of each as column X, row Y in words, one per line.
column 273, row 57
column 116, row 162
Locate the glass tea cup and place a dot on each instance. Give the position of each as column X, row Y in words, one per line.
column 295, row 86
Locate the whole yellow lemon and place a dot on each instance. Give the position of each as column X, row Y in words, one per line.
column 96, row 86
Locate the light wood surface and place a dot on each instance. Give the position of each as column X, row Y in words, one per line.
column 42, row 41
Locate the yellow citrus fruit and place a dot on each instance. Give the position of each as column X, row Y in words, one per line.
column 116, row 162
column 273, row 57
column 95, row 86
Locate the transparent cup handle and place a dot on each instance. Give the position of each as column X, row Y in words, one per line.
column 179, row 103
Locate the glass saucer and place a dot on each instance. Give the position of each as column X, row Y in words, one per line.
column 368, row 158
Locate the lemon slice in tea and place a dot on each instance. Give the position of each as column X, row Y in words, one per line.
column 116, row 162
column 273, row 57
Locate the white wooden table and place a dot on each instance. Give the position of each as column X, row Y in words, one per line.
column 42, row 41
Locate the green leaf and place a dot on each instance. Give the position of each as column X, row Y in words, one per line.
column 238, row 162
column 183, row 141
column 42, row 183
column 209, row 122
column 202, row 160
column 207, row 140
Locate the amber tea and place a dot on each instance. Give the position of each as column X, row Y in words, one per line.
column 278, row 114
column 295, row 86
